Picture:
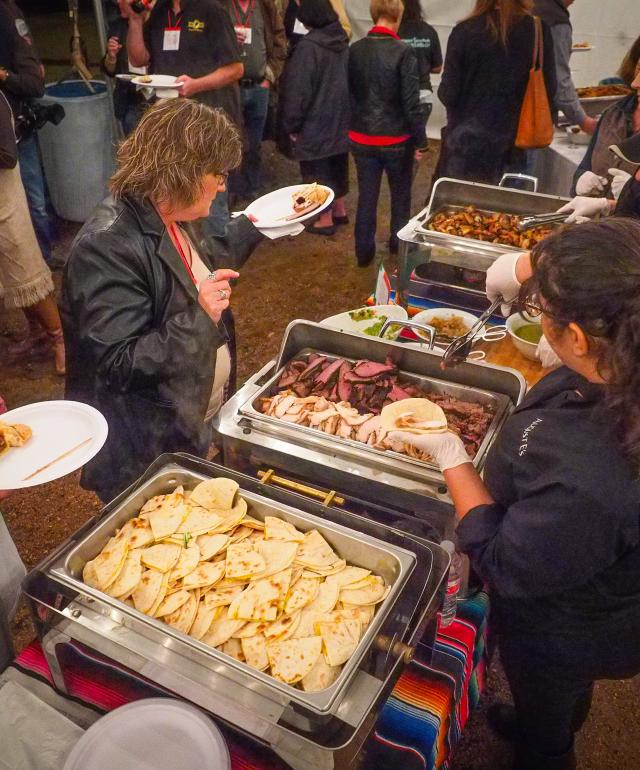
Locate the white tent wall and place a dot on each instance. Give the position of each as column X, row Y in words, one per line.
column 610, row 26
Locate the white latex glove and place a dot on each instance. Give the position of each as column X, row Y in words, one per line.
column 581, row 209
column 446, row 449
column 590, row 184
column 618, row 181
column 501, row 280
column 547, row 355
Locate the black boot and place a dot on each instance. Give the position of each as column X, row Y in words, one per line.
column 528, row 759
column 503, row 720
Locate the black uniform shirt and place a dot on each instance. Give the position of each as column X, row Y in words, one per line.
column 423, row 38
column 561, row 545
column 207, row 42
column 628, row 204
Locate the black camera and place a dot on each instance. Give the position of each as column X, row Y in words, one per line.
column 34, row 115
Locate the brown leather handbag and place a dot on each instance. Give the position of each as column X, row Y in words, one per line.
column 535, row 128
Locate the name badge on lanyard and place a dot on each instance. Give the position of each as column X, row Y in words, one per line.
column 171, row 40
column 242, row 27
column 243, row 34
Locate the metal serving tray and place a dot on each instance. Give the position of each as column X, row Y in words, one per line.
column 498, row 402
column 455, row 194
column 393, row 563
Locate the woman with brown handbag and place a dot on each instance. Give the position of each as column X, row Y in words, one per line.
column 486, row 73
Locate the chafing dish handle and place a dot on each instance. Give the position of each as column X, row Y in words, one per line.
column 430, row 330
column 522, row 177
column 327, row 498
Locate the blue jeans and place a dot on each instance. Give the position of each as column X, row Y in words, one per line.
column 255, row 105
column 371, row 163
column 216, row 223
column 36, row 189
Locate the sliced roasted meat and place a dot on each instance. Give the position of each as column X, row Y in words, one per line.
column 372, row 370
column 326, row 375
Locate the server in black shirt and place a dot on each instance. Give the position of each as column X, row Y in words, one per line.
column 193, row 40
column 424, row 40
column 554, row 528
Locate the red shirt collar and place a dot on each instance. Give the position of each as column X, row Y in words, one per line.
column 383, row 31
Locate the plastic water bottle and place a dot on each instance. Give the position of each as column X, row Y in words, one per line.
column 453, row 584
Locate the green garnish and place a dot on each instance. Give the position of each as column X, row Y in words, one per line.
column 375, row 329
column 187, row 538
column 363, row 314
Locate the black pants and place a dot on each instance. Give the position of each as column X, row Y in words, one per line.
column 370, row 165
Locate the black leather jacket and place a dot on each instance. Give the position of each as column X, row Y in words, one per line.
column 384, row 88
column 139, row 346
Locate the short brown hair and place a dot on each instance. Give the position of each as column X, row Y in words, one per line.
column 177, row 143
column 390, row 9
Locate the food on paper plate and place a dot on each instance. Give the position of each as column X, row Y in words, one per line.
column 487, row 226
column 13, row 436
column 363, row 314
column 596, row 92
column 450, row 326
column 345, row 399
column 269, row 595
column 307, row 199
column 145, row 79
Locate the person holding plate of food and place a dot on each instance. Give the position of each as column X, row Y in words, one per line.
column 144, row 293
column 554, row 525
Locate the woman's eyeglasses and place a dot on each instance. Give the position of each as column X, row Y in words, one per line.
column 222, row 178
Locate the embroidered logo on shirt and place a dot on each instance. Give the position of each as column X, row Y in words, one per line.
column 522, row 449
column 195, row 26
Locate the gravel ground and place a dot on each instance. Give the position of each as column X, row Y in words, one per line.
column 308, row 277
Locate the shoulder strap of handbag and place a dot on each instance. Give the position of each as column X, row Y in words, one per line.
column 538, row 48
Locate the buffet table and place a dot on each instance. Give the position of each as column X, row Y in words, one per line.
column 420, row 724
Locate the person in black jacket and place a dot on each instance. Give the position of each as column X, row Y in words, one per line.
column 386, row 126
column 554, row 528
column 486, row 71
column 143, row 293
column 314, row 107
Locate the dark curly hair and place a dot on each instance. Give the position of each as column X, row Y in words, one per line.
column 589, row 274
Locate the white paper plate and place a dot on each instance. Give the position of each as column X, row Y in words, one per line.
column 272, row 209
column 425, row 316
column 57, row 427
column 344, row 323
column 151, row 734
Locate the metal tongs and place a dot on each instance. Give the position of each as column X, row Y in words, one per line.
column 539, row 220
column 459, row 349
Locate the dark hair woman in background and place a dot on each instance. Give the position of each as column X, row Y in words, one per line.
column 386, row 124
column 554, row 528
column 314, row 107
column 424, row 40
column 486, row 71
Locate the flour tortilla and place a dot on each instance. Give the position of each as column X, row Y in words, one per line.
column 172, row 602
column 205, row 574
column 129, row 576
column 137, row 532
column 302, row 594
column 254, row 649
column 163, row 556
column 222, row 596
column 315, row 552
column 183, row 618
column 221, row 631
column 215, row 493
column 187, row 562
column 365, row 612
column 293, row 659
column 204, row 618
column 168, row 516
column 256, row 524
column 334, row 569
column 240, row 533
column 257, row 602
column 147, row 590
column 253, row 628
column 283, row 628
column 327, row 598
column 277, row 554
column 413, row 415
column 349, row 575
column 198, row 521
column 109, row 562
column 232, row 517
column 233, row 648
column 278, row 529
column 373, row 593
column 211, row 545
column 339, row 640
column 162, row 593
column 243, row 561
column 89, row 575
column 321, row 676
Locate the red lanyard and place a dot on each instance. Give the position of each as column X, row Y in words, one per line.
column 246, row 21
column 178, row 19
column 174, row 232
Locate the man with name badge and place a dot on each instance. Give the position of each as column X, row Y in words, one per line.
column 193, row 40
column 260, row 33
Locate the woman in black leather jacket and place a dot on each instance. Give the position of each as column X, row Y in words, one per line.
column 143, row 293
column 386, row 126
